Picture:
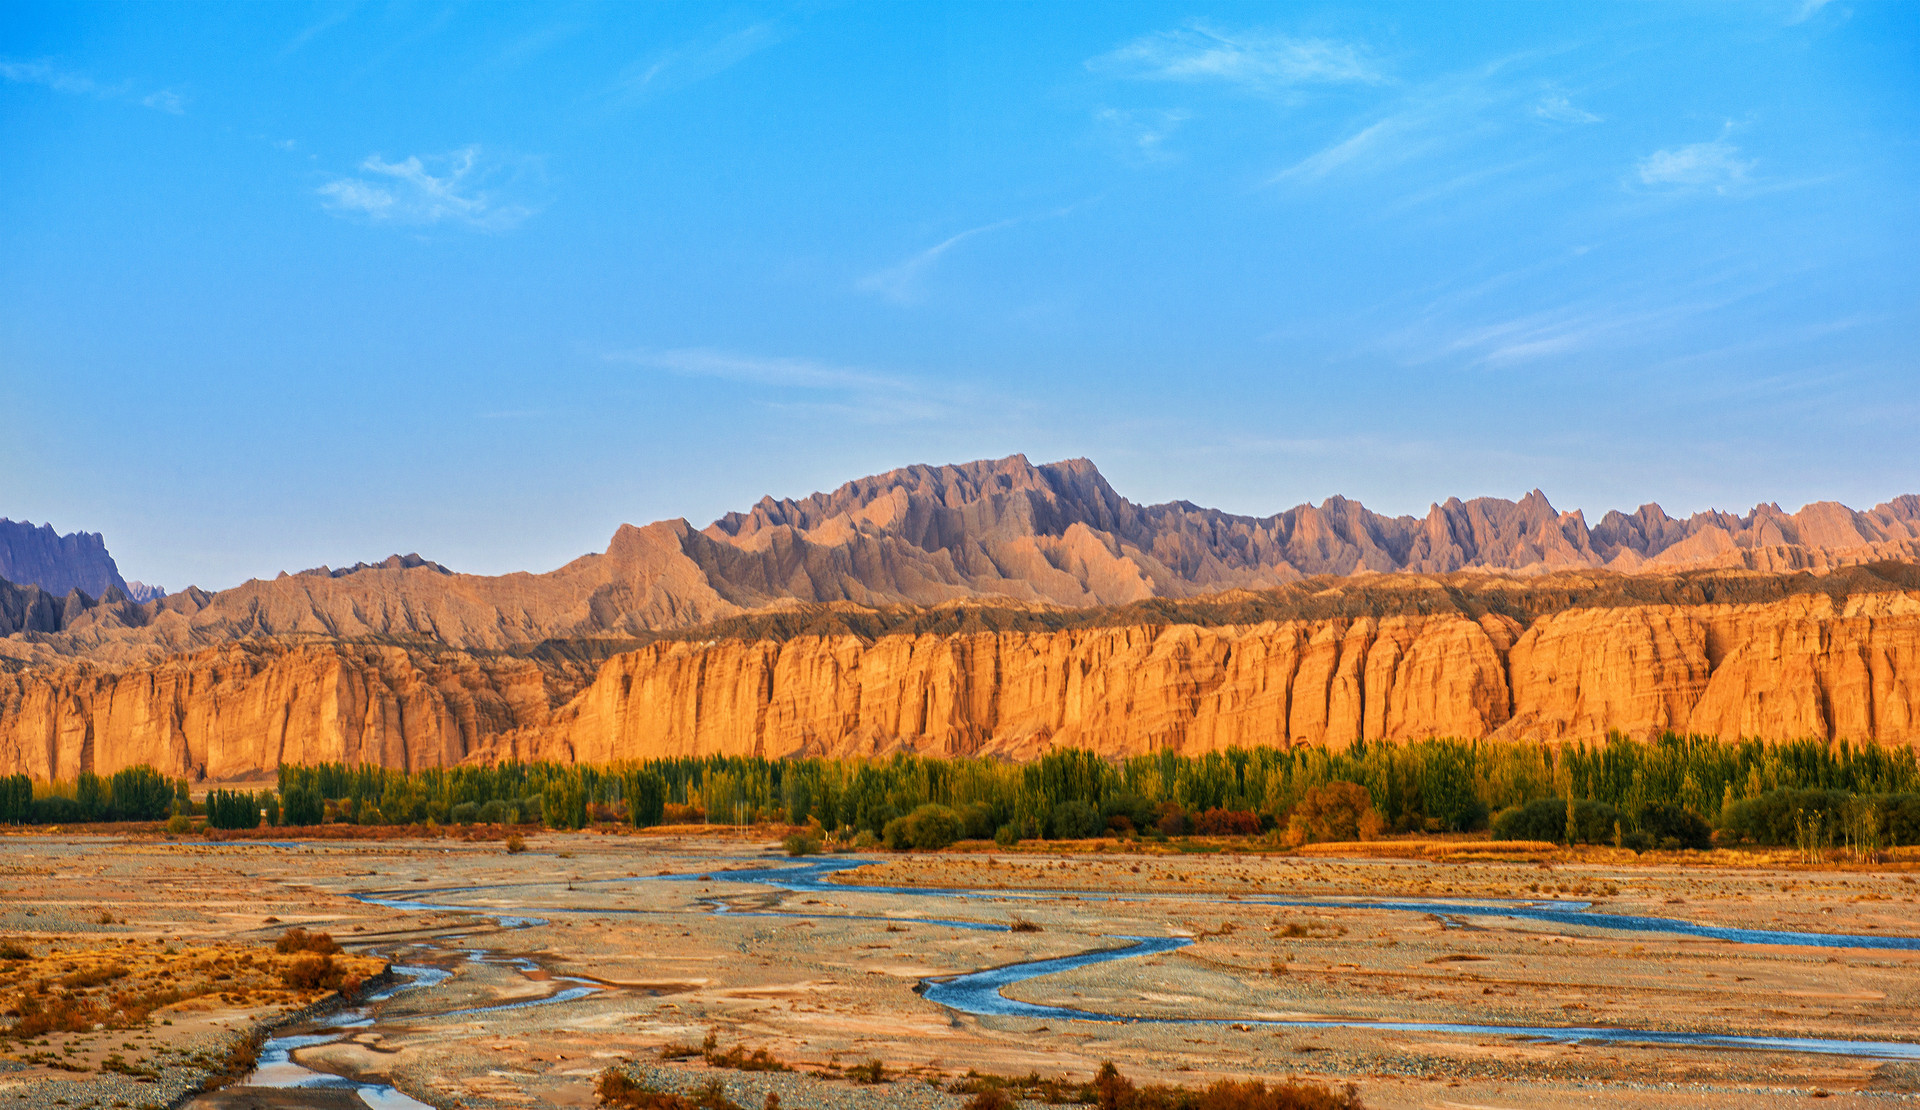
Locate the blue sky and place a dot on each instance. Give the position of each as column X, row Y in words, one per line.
column 283, row 285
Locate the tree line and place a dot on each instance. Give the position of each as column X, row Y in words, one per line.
column 1640, row 793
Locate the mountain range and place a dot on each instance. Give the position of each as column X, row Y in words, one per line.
column 1054, row 534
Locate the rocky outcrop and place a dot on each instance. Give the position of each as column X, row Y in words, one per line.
column 1808, row 664
column 39, row 556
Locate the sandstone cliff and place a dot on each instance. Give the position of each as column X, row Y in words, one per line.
column 1559, row 658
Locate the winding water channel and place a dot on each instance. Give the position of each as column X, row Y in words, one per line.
column 982, row 993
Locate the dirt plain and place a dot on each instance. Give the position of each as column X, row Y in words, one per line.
column 589, row 950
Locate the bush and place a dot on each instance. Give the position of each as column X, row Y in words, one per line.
column 1169, row 819
column 1669, row 826
column 1075, row 820
column 464, row 813
column 1546, row 819
column 1227, row 822
column 800, row 844
column 311, row 972
column 1335, row 811
column 179, row 824
column 515, row 845
column 928, row 828
column 299, row 940
column 1006, row 836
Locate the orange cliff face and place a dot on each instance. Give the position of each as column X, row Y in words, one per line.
column 1807, row 665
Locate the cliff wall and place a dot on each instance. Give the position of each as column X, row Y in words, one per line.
column 1810, row 665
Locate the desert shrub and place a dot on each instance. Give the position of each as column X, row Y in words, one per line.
column 464, row 813
column 515, row 844
column 673, row 813
column 312, row 972
column 990, row 1098
column 1226, row 822
column 870, row 1073
column 1075, row 819
column 928, row 828
column 179, row 824
column 1113, row 1091
column 1007, row 835
column 1022, row 925
column 1334, row 811
column 615, row 1088
column 13, row 950
column 299, row 940
column 1669, row 826
column 1170, row 819
column 800, row 844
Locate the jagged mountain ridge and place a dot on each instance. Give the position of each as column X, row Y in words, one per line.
column 1002, row 529
column 36, row 555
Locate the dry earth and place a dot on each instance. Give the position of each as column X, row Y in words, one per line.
column 826, row 980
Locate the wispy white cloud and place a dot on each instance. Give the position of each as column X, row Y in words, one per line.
column 803, row 383
column 165, row 100
column 336, row 15
column 1807, row 10
column 1715, row 165
column 1557, row 107
column 73, row 83
column 691, row 62
column 460, row 187
column 900, row 283
column 1259, row 60
column 1142, row 133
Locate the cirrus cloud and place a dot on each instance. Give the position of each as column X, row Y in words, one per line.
column 463, row 187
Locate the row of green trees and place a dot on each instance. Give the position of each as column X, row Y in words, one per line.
column 1600, row 792
column 135, row 794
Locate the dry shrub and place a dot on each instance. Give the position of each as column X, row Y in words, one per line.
column 1335, row 811
column 1114, row 1091
column 14, row 950
column 515, row 845
column 991, row 1098
column 739, row 1059
column 616, row 1088
column 311, row 972
column 1022, row 925
column 1226, row 822
column 93, row 976
column 870, row 1073
column 299, row 940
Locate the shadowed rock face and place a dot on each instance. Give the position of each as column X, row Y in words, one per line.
column 38, row 556
column 998, row 607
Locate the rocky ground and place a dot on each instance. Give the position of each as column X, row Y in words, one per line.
column 825, row 981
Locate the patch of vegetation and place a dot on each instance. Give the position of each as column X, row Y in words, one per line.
column 297, row 939
column 1110, row 1090
column 616, row 1088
